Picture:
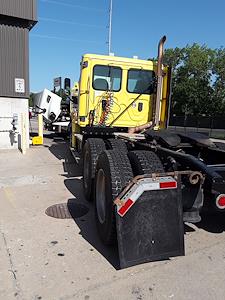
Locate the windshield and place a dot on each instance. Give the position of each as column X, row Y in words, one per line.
column 107, row 78
column 140, row 81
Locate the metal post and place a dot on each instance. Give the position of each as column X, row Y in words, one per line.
column 110, row 26
column 40, row 125
column 38, row 140
column 23, row 134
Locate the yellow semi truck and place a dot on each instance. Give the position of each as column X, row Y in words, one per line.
column 119, row 92
column 143, row 179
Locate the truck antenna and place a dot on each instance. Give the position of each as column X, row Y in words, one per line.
column 110, row 26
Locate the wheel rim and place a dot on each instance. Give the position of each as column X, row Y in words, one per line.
column 100, row 196
column 86, row 169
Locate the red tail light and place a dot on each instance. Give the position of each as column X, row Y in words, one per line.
column 220, row 201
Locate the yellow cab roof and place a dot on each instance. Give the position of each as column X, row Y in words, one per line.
column 118, row 59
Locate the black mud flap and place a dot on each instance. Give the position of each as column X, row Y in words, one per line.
column 152, row 229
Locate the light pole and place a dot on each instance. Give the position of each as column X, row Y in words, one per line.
column 110, row 26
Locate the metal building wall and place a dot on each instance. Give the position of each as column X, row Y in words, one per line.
column 17, row 17
column 23, row 9
column 14, row 60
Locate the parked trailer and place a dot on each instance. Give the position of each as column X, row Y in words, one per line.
column 145, row 181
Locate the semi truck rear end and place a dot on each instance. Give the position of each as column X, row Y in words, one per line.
column 132, row 164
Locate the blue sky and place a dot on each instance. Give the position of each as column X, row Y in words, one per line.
column 69, row 28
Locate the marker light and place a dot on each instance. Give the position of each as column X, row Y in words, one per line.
column 220, row 201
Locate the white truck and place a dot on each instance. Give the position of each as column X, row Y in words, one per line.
column 55, row 117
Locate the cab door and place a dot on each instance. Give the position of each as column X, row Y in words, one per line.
column 139, row 90
column 106, row 86
column 129, row 90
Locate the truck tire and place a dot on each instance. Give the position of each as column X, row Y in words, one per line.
column 116, row 144
column 113, row 173
column 145, row 162
column 92, row 149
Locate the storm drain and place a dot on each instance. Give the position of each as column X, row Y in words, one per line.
column 68, row 210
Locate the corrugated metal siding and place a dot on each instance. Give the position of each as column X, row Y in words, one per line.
column 14, row 59
column 24, row 9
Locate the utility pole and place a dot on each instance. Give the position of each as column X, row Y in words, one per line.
column 110, row 26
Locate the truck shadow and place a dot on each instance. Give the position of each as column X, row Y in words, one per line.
column 214, row 223
column 80, row 210
column 62, row 152
column 86, row 223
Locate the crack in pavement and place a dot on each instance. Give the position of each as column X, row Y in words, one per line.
column 16, row 285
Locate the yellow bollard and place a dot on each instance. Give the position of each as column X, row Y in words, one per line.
column 38, row 140
column 40, row 125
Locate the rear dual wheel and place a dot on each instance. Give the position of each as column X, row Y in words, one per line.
column 107, row 172
column 145, row 162
column 92, row 149
column 117, row 144
column 113, row 173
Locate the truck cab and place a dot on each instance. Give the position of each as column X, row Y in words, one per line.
column 119, row 92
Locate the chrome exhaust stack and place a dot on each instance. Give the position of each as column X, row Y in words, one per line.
column 159, row 82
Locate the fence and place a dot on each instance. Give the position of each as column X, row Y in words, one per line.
column 215, row 122
column 213, row 126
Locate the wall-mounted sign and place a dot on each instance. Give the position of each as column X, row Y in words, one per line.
column 19, row 85
column 57, row 81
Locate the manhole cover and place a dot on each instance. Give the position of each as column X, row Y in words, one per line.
column 68, row 210
column 59, row 211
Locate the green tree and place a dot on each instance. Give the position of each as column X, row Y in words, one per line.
column 219, row 81
column 192, row 88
